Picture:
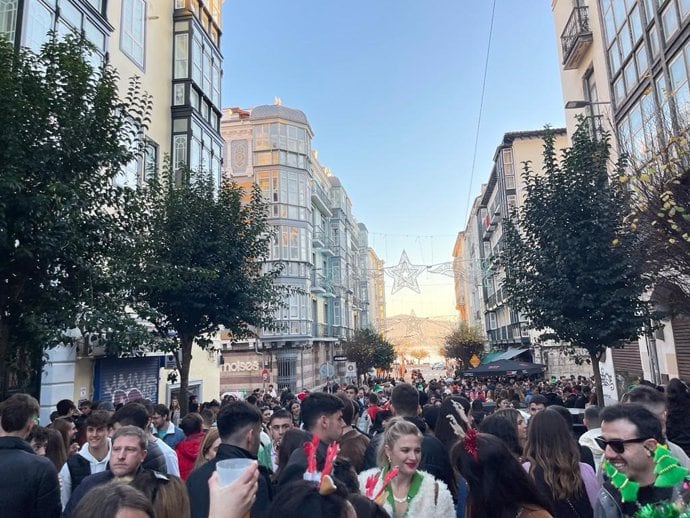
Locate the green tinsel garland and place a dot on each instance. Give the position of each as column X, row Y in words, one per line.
column 668, row 473
column 667, row 510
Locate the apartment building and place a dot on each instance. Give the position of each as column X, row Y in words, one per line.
column 319, row 241
column 172, row 46
column 469, row 300
column 377, row 291
column 506, row 329
column 629, row 60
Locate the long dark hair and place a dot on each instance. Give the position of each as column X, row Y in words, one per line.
column 55, row 448
column 444, row 430
column 552, row 447
column 301, row 498
column 501, row 427
column 294, row 438
column 499, row 485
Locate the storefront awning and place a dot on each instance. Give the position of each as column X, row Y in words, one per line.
column 502, row 355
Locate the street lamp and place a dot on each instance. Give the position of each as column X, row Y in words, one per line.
column 570, row 105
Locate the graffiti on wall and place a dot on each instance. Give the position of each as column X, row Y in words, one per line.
column 129, row 383
column 607, row 382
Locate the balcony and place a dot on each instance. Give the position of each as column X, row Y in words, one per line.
column 325, row 331
column 495, row 217
column 317, row 283
column 576, row 38
column 322, row 242
column 321, row 199
column 321, row 285
column 318, row 237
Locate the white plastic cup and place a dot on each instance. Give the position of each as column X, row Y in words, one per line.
column 230, row 470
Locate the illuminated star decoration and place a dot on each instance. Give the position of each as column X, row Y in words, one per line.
column 413, row 327
column 405, row 274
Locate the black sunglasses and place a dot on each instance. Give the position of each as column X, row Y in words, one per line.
column 617, row 445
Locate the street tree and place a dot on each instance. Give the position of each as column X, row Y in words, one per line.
column 419, row 354
column 369, row 349
column 204, row 264
column 464, row 342
column 65, row 225
column 658, row 178
column 569, row 256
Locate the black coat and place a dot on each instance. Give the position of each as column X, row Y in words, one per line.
column 197, row 483
column 435, row 459
column 86, row 485
column 29, row 486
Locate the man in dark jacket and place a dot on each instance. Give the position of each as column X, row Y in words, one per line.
column 136, row 414
column 29, row 486
column 239, row 428
column 435, row 459
column 128, row 452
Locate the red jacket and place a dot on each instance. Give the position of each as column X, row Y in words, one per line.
column 187, row 451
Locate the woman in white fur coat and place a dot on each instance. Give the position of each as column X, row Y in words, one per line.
column 412, row 493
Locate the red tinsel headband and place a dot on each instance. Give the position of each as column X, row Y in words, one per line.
column 470, row 443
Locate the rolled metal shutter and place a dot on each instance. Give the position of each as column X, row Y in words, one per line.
column 120, row 380
column 681, row 338
column 627, row 360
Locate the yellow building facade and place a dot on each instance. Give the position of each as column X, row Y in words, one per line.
column 173, row 47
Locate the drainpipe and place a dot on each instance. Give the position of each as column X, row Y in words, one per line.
column 263, row 361
column 256, row 350
column 650, row 340
column 301, row 362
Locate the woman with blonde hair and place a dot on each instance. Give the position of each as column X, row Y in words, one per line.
column 553, row 460
column 411, row 493
column 209, row 447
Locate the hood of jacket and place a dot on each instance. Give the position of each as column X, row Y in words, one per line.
column 419, row 422
column 190, row 446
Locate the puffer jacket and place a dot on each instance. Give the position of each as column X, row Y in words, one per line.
column 187, row 451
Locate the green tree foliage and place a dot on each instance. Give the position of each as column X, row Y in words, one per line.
column 64, row 226
column 464, row 342
column 569, row 256
column 369, row 349
column 203, row 264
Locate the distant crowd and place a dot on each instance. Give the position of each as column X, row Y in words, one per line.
column 497, row 447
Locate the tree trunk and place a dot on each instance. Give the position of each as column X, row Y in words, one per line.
column 183, row 398
column 4, row 353
column 599, row 390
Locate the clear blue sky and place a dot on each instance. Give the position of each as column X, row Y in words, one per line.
column 392, row 91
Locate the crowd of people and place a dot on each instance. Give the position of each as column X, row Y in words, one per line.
column 388, row 448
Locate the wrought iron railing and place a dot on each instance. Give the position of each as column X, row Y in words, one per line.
column 578, row 25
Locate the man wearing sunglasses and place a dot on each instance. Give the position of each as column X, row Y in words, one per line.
column 655, row 402
column 629, row 436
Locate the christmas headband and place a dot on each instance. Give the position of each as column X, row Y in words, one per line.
column 323, row 480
